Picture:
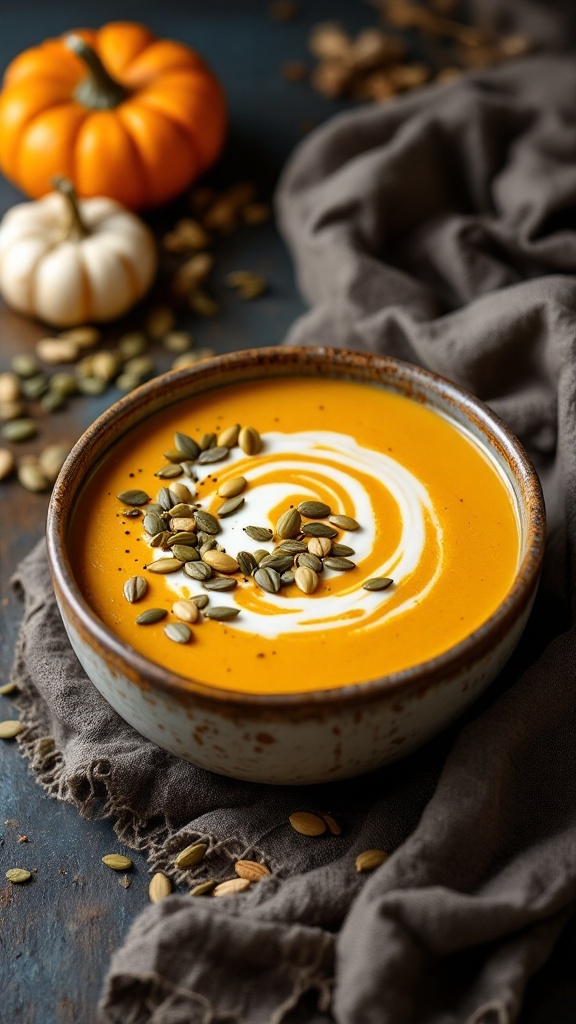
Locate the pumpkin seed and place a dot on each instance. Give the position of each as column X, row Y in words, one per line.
column 201, row 601
column 260, row 533
column 268, row 579
column 188, row 468
column 342, row 550
column 177, row 341
column 84, row 336
column 64, row 384
column 132, row 344
column 232, row 488
column 228, row 438
column 222, row 613
column 220, row 561
column 306, row 579
column 186, row 611
column 207, row 441
column 307, row 824
column 378, row 583
column 160, row 540
column 12, row 411
column 160, row 886
column 7, row 689
column 117, row 862
column 159, row 320
column 35, row 387
column 292, row 547
column 203, row 887
column 370, row 859
column 51, row 460
column 287, row 578
column 185, row 552
column 289, row 524
column 208, row 545
column 165, row 499
column 32, row 478
column 184, row 524
column 186, row 445
column 52, row 401
column 19, row 430
column 197, row 570
column 251, row 869
column 215, row 454
column 259, row 554
column 10, row 729
column 153, row 524
column 319, row 530
column 230, row 506
column 133, row 497
column 310, row 561
column 7, row 463
column 202, row 303
column 150, row 616
column 164, row 565
column 278, row 561
column 314, row 509
column 92, row 385
column 247, row 562
column 250, row 441
column 183, row 492
column 57, row 350
column 334, row 826
column 18, row 875
column 339, row 564
column 24, row 365
column 179, row 632
column 155, row 508
column 131, row 513
column 344, row 522
column 207, row 522
column 126, row 382
column 135, row 588
column 9, row 387
column 190, row 855
column 169, row 472
column 220, row 583
column 231, row 887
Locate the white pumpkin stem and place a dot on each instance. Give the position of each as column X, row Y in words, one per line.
column 76, row 228
column 98, row 90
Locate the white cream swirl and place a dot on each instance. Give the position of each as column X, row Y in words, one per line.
column 332, row 462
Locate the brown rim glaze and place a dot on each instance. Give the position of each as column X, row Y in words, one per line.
column 253, row 364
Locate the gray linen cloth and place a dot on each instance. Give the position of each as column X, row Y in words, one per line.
column 441, row 229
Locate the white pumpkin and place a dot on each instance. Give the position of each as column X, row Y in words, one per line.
column 70, row 261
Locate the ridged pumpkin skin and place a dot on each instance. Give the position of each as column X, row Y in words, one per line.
column 164, row 128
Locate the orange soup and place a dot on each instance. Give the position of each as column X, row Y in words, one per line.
column 345, row 533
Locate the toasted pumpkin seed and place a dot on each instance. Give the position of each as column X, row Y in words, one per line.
column 287, row 578
column 24, row 365
column 250, row 441
column 185, row 537
column 153, row 524
column 207, row 441
column 183, row 492
column 220, row 561
column 160, row 886
column 344, row 522
column 19, row 430
column 135, row 588
column 319, row 530
column 184, row 524
column 268, row 579
column 185, row 610
column 32, row 478
column 251, row 869
column 18, row 875
column 215, row 454
column 203, row 888
column 231, row 887
column 179, row 632
column 231, row 506
column 190, row 855
column 187, row 445
column 260, row 533
column 247, row 562
column 310, row 561
column 289, row 523
column 166, row 499
column 291, row 547
column 133, row 497
column 197, row 570
column 222, row 613
column 307, row 824
column 208, row 545
column 314, row 509
column 228, row 438
column 185, row 552
column 342, row 550
column 164, row 565
column 150, row 616
column 339, row 564
column 232, row 488
column 169, row 472
column 370, row 859
column 201, row 601
column 134, row 343
column 259, row 554
column 9, row 729
column 378, row 583
column 160, row 540
column 306, row 579
column 221, row 584
column 51, row 460
column 117, row 862
column 277, row 560
column 35, row 387
column 52, row 401
column 207, row 522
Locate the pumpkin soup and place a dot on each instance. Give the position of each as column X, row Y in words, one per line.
column 295, row 535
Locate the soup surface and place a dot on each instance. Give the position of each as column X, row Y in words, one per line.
column 433, row 515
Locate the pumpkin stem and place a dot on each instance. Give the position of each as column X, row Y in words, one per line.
column 76, row 228
column 98, row 90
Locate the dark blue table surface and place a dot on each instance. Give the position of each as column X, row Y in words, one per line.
column 57, row 933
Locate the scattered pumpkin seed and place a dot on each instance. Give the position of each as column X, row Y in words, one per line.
column 190, row 855
column 289, row 523
column 207, row 522
column 268, row 579
column 179, row 632
column 184, row 492
column 247, row 562
column 126, row 382
column 259, row 554
column 231, row 506
column 24, row 365
column 34, row 387
column 160, row 886
column 57, row 350
column 222, row 613
column 334, row 826
column 133, row 497
column 278, row 560
column 153, row 524
column 92, row 385
column 9, row 729
column 9, row 387
column 135, row 588
column 319, row 530
column 155, row 508
column 250, row 441
column 378, row 583
column 169, row 472
column 19, row 430
column 220, row 561
column 307, row 824
column 251, row 869
column 203, row 888
column 7, row 463
column 310, row 561
column 12, row 411
column 165, row 499
column 184, row 524
column 260, row 533
column 185, row 552
column 202, row 303
column 370, row 859
column 150, row 616
column 197, row 570
column 64, row 384
column 85, row 336
column 209, row 545
column 18, row 875
column 187, row 445
column 339, row 564
column 52, row 401
column 131, row 513
column 319, row 546
column 231, row 887
column 342, row 551
column 32, row 478
column 164, row 565
column 186, row 611
column 220, row 584
column 201, row 601
column 232, row 488
column 287, row 578
column 159, row 320
column 215, row 454
column 117, row 862
column 228, row 438
column 177, row 341
column 314, row 509
column 207, row 441
column 51, row 460
column 132, row 344
column 344, row 522
column 306, row 579
column 160, row 540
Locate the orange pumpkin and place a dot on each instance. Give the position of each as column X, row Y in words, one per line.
column 116, row 110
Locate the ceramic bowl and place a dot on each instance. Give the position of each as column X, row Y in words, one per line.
column 303, row 737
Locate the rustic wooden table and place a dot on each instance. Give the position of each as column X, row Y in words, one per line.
column 58, row 932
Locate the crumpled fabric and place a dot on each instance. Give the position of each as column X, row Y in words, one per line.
column 440, row 229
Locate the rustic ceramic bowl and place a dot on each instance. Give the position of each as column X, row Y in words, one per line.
column 302, row 737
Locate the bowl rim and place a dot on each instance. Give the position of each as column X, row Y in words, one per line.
column 409, row 681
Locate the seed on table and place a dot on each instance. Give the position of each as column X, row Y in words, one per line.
column 215, row 454
column 52, row 401
column 19, row 430
column 117, row 862
column 314, row 509
column 232, row 488
column 159, row 321
column 179, row 632
column 25, row 365
column 334, row 826
column 64, row 384
column 9, row 387
column 307, row 824
column 135, row 588
column 34, row 387
column 306, row 579
column 319, row 530
column 150, row 616
column 222, row 613
column 162, row 566
column 203, row 888
column 260, row 533
column 12, row 410
column 220, row 561
column 231, row 887
column 134, row 496
column 127, row 382
column 289, row 523
column 206, row 522
column 185, row 610
column 177, row 341
column 221, row 584
column 160, row 886
column 378, row 583
column 91, row 386
column 132, row 344
column 190, row 855
column 228, row 438
column 339, row 564
column 202, row 303
column 230, row 506
column 250, row 441
column 57, row 350
column 18, row 875
column 370, row 859
column 106, row 365
column 32, row 478
column 319, row 546
column 251, row 869
column 7, row 463
column 10, row 729
column 197, row 570
column 84, row 336
column 344, row 522
column 191, row 358
column 140, row 366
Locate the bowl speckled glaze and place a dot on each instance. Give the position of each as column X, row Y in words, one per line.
column 303, row 737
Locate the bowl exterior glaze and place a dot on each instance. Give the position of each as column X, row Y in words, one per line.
column 307, row 737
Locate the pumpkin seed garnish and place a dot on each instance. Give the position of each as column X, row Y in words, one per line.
column 268, row 579
column 186, row 611
column 229, row 437
column 19, row 430
column 190, row 855
column 183, row 537
column 215, row 454
column 164, row 565
column 155, row 508
column 259, row 554
column 231, row 488
column 165, row 499
column 292, row 547
column 206, row 522
column 319, row 530
column 344, row 522
column 150, row 616
column 341, row 550
column 277, row 560
column 197, row 570
column 339, row 564
column 173, row 455
column 133, row 497
column 32, row 478
column 287, row 578
column 260, row 533
column 181, row 511
column 208, row 545
column 179, row 632
column 247, row 562
column 230, row 506
column 250, row 441
column 135, row 588
column 306, row 579
column 220, row 583
column 378, row 583
column 183, row 492
column 307, row 824
column 222, row 613
column 334, row 826
column 186, row 445
column 18, row 875
column 207, row 441
column 220, row 561
column 289, row 524
column 201, row 601
column 117, row 862
column 160, row 540
column 314, row 509
column 153, row 524
column 131, row 513
column 309, row 560
column 185, row 552
column 203, row 887
column 188, row 469
column 169, row 472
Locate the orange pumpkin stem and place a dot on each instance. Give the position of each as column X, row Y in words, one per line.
column 76, row 228
column 98, row 90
